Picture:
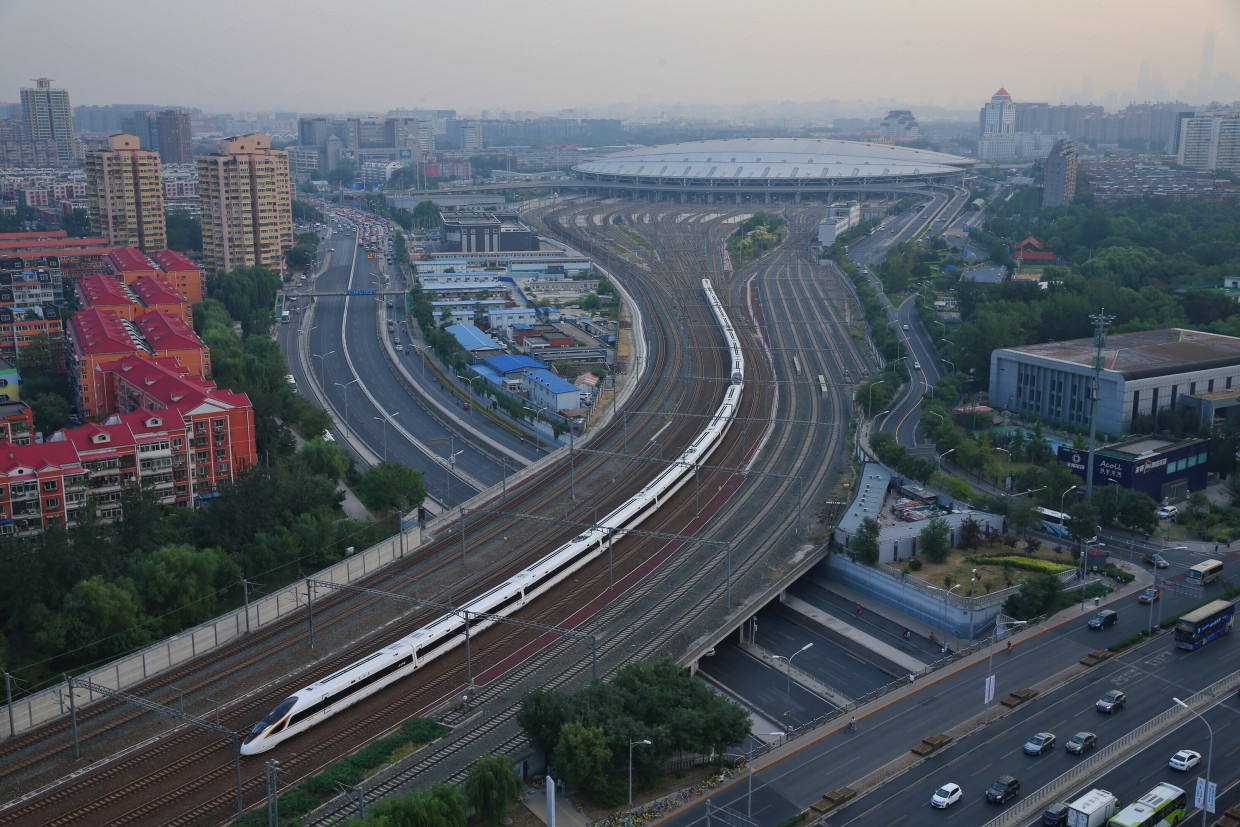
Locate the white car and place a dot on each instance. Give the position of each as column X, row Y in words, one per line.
column 946, row 796
column 917, row 365
column 1167, row 512
column 1184, row 760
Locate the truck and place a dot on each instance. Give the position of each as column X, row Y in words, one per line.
column 285, row 317
column 1092, row 809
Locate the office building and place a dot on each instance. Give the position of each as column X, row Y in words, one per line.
column 126, row 194
column 899, row 125
column 1164, row 468
column 1210, row 143
column 246, row 198
column 1143, row 374
column 1059, row 181
column 46, row 114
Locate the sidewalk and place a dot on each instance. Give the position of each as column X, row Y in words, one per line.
column 566, row 815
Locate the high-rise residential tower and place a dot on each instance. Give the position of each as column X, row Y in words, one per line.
column 246, row 196
column 1059, row 185
column 46, row 114
column 126, row 193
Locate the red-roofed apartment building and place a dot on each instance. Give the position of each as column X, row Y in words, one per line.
column 100, row 336
column 174, row 431
column 181, row 273
column 74, row 257
column 40, row 485
column 129, row 301
column 216, row 438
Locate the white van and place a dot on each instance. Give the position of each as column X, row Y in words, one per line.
column 288, row 377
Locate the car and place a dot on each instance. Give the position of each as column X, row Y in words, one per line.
column 400, row 348
column 917, row 365
column 1155, row 560
column 1055, row 815
column 1149, row 595
column 1081, row 743
column 906, row 327
column 946, row 796
column 1167, row 512
column 1003, row 790
column 1040, row 743
column 1111, row 701
column 1184, row 760
column 327, row 437
column 1103, row 619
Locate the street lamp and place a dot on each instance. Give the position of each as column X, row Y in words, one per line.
column 945, row 627
column 999, row 624
column 788, row 689
column 949, row 362
column 632, row 744
column 345, row 388
column 939, row 461
column 749, row 763
column 1205, row 813
column 384, row 420
column 869, row 402
column 322, row 363
column 469, row 380
column 1061, row 496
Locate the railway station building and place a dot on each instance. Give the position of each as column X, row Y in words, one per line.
column 1142, row 373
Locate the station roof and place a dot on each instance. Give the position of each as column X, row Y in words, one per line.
column 1145, row 354
column 766, row 159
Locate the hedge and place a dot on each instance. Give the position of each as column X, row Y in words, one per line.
column 1026, row 563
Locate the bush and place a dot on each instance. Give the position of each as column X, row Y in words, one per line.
column 1026, row 564
column 915, row 564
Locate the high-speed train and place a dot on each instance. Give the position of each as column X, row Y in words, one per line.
column 340, row 690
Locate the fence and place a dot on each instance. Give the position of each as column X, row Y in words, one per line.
column 40, row 708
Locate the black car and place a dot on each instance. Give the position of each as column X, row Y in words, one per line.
column 1003, row 790
column 1081, row 743
column 1103, row 619
column 1055, row 815
column 1155, row 560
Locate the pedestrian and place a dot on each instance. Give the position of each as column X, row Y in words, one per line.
column 1009, row 646
column 911, row 677
column 932, row 637
column 1216, row 548
column 858, row 610
column 907, row 634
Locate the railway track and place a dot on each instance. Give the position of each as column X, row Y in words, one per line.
column 242, row 713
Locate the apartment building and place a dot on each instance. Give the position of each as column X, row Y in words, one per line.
column 47, row 116
column 125, row 189
column 246, row 199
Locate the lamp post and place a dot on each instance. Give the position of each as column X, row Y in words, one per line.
column 632, row 744
column 1061, row 496
column 345, row 388
column 384, row 420
column 945, row 628
column 749, row 763
column 1007, row 475
column 940, row 459
column 1205, row 813
column 322, row 363
column 450, row 469
column 869, row 402
column 788, row 688
column 986, row 695
column 469, row 380
column 949, row 362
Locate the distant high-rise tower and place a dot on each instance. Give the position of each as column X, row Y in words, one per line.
column 1059, row 185
column 46, row 114
column 176, row 144
column 997, row 122
column 246, row 196
column 125, row 189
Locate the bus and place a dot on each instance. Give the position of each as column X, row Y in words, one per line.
column 1165, row 804
column 1056, row 523
column 1206, row 572
column 1200, row 626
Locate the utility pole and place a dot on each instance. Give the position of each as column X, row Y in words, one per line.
column 1100, row 320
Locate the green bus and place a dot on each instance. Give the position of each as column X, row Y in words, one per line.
column 1163, row 805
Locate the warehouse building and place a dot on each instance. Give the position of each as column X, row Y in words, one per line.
column 1142, row 373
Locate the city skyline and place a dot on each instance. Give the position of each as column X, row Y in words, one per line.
column 477, row 54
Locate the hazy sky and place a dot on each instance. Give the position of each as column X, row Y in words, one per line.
column 545, row 55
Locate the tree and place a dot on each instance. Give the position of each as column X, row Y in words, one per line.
column 77, row 224
column 971, row 534
column 325, row 459
column 102, row 618
column 179, row 583
column 582, row 757
column 935, row 540
column 426, row 215
column 1021, row 515
column 492, row 787
column 51, row 413
column 960, row 490
column 345, row 172
column 864, row 543
column 391, row 485
column 442, row 805
column 1042, row 594
column 184, row 232
column 1082, row 521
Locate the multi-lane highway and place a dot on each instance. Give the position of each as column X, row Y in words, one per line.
column 384, row 401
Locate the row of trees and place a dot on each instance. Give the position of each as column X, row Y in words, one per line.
column 585, row 735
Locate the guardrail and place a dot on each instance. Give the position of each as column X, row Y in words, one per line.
column 49, row 704
column 1109, row 755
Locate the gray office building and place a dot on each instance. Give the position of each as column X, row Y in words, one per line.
column 1143, row 373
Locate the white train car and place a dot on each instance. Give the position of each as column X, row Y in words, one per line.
column 361, row 679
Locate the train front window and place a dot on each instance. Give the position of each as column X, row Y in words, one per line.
column 274, row 715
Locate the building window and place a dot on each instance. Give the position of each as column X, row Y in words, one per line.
column 50, row 485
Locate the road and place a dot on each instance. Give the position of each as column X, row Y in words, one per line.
column 383, row 409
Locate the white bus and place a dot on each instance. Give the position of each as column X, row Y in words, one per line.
column 1206, row 572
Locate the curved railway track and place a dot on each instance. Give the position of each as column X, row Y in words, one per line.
column 241, row 715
